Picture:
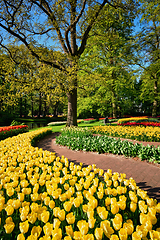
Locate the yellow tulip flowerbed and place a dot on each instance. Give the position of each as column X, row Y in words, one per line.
column 49, row 198
column 140, row 133
column 132, row 119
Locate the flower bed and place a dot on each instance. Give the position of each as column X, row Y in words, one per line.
column 83, row 139
column 45, row 197
column 122, row 120
column 10, row 131
column 152, row 124
column 140, row 133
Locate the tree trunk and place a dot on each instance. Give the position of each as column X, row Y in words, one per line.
column 72, row 108
column 32, row 110
column 155, row 103
column 40, row 105
column 114, row 107
column 20, row 107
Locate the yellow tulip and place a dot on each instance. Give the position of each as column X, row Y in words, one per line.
column 69, row 230
column 107, row 229
column 47, row 200
column 24, row 226
column 45, row 216
column 24, row 183
column 142, row 206
column 67, row 206
column 77, row 235
column 21, row 236
column 103, row 214
column 123, row 234
column 91, row 222
column 63, row 197
column 48, row 228
column 136, row 236
column 93, row 203
column 114, row 237
column 9, row 209
column 98, row 233
column 52, row 204
column 90, row 212
column 26, row 191
column 9, row 227
column 8, row 220
column 36, row 230
column 115, row 184
column 31, row 237
column 61, row 215
column 128, row 225
column 154, row 234
column 117, row 222
column 133, row 197
column 56, row 223
column 142, row 231
column 32, row 217
column 100, row 194
column 34, row 207
column 70, row 218
column 21, row 197
column 16, row 203
column 107, row 201
column 34, row 197
column 66, row 186
column 133, row 206
column 114, row 208
column 23, row 216
column 77, row 202
column 57, row 233
column 85, row 208
column 152, row 218
column 158, row 207
column 83, row 227
column 109, row 183
column 148, row 225
column 67, row 238
column 78, row 187
column 55, row 211
column 122, row 205
column 10, row 191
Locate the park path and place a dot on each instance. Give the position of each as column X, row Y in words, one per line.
column 146, row 175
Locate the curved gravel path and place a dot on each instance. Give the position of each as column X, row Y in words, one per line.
column 146, row 175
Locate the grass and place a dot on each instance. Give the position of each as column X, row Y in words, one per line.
column 59, row 128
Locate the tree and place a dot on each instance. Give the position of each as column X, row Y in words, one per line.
column 148, row 54
column 107, row 55
column 67, row 23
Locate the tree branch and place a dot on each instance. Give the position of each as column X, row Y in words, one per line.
column 73, row 25
column 85, row 36
column 8, row 29
column 46, row 9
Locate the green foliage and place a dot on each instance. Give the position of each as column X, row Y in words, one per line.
column 14, row 123
column 5, row 118
column 105, row 74
column 148, row 54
